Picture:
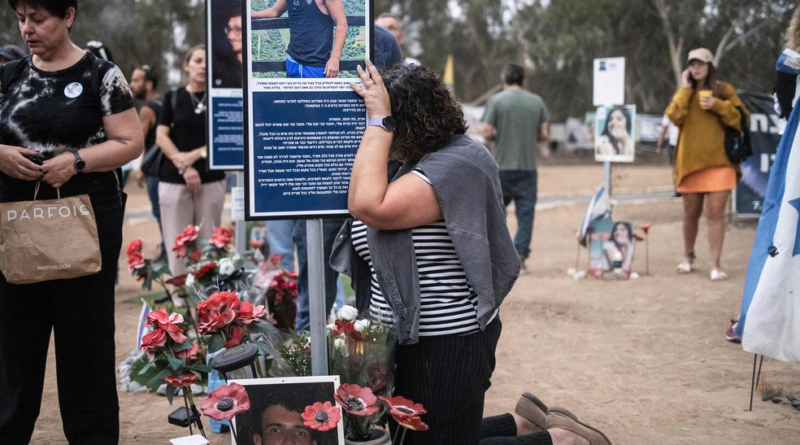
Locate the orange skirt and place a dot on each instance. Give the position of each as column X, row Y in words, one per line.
column 714, row 179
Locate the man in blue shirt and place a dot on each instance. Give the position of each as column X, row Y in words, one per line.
column 314, row 50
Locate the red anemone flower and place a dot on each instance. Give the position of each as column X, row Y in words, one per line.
column 134, row 246
column 188, row 354
column 406, row 413
column 217, row 312
column 153, row 340
column 645, row 228
column 236, row 336
column 226, row 402
column 249, row 313
column 321, row 416
column 185, row 239
column 135, row 261
column 221, row 237
column 170, row 323
column 356, row 400
column 180, row 380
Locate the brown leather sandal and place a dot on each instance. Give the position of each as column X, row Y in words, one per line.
column 562, row 418
column 532, row 409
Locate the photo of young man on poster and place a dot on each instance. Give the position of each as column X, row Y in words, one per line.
column 317, row 36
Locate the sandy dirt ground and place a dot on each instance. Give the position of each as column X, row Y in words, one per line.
column 644, row 360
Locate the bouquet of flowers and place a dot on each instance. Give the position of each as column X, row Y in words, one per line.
column 280, row 287
column 362, row 354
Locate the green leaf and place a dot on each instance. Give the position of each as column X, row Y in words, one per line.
column 170, row 393
column 187, row 344
column 202, row 368
column 175, row 363
column 156, row 381
column 146, row 367
column 162, row 270
column 215, row 343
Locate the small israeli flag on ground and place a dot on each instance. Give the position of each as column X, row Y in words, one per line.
column 770, row 318
column 599, row 206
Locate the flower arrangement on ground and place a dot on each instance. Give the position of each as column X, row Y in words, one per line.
column 231, row 292
column 362, row 352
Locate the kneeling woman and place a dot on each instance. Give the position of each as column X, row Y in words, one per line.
column 430, row 252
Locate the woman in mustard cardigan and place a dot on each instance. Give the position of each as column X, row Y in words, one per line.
column 702, row 171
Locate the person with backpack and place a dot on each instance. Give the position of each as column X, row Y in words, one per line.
column 188, row 192
column 702, row 108
column 67, row 122
column 144, row 81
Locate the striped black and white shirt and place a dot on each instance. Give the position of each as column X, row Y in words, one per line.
column 448, row 302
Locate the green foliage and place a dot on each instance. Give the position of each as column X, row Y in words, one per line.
column 557, row 41
column 297, row 354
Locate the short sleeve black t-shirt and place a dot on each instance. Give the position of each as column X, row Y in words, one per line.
column 57, row 112
column 188, row 132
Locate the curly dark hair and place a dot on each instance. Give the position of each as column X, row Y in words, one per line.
column 426, row 113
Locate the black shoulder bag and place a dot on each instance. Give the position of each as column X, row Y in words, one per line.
column 154, row 158
column 737, row 143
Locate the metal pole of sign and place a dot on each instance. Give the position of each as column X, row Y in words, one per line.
column 316, row 297
column 240, row 231
column 607, row 177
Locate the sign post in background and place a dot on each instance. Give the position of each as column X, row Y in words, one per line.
column 608, row 90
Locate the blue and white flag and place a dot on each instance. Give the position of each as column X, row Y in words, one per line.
column 770, row 318
column 599, row 206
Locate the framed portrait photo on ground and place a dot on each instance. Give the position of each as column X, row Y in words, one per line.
column 278, row 407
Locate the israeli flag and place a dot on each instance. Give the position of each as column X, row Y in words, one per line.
column 770, row 318
column 599, row 206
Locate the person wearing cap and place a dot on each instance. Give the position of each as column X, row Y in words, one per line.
column 704, row 176
column 11, row 52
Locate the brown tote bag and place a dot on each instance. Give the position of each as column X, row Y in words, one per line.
column 49, row 239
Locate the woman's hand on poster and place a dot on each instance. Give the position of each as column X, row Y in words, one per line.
column 707, row 102
column 376, row 98
column 16, row 163
column 685, row 76
column 58, row 170
column 192, row 178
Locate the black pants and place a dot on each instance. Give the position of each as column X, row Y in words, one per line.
column 449, row 376
column 80, row 312
column 502, row 430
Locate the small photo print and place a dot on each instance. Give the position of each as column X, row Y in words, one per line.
column 276, row 407
column 611, row 246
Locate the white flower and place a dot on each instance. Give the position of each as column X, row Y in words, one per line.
column 339, row 343
column 226, row 267
column 362, row 324
column 189, row 280
column 331, row 327
column 349, row 313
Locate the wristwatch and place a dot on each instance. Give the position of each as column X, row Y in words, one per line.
column 385, row 122
column 80, row 164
